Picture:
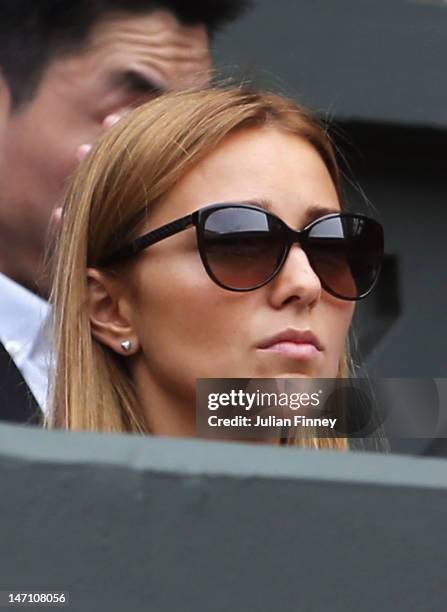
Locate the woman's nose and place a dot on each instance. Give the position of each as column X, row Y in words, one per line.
column 296, row 280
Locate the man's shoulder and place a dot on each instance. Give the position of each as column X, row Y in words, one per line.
column 26, row 342
column 17, row 403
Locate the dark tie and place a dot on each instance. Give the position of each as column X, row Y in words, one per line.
column 17, row 403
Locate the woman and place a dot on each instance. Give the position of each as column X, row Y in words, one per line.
column 227, row 291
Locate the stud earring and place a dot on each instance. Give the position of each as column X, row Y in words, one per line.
column 126, row 345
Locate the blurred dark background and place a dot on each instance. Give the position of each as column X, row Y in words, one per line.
column 377, row 70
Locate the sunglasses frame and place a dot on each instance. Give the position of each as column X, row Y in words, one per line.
column 198, row 219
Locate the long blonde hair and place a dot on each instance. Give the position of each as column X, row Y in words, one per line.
column 136, row 162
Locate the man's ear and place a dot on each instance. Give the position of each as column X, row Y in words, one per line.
column 5, row 104
column 110, row 313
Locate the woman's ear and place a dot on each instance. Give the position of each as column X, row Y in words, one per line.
column 110, row 313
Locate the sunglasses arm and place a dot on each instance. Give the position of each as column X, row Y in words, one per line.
column 147, row 240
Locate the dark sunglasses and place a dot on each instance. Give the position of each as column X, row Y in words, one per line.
column 243, row 247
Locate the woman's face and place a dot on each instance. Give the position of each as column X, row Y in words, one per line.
column 187, row 326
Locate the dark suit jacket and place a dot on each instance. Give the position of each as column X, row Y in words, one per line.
column 17, row 403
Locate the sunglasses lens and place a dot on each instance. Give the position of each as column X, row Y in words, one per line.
column 346, row 253
column 243, row 247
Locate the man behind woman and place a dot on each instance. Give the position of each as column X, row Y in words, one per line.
column 65, row 68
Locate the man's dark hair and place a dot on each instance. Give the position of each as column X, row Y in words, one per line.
column 35, row 32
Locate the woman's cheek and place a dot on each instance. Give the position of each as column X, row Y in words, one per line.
column 341, row 325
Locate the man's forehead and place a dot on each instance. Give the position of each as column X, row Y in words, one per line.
column 170, row 53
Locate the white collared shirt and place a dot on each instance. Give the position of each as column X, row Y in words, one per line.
column 24, row 335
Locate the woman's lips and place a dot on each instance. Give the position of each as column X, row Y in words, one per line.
column 294, row 350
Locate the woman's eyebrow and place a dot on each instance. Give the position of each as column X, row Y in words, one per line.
column 260, row 202
column 312, row 212
column 316, row 211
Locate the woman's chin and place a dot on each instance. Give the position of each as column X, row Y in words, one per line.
column 292, row 375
